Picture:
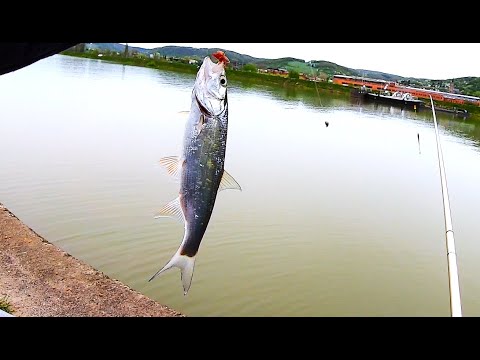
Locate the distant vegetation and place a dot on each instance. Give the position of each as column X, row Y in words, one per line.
column 234, row 73
column 250, row 67
column 253, row 70
column 320, row 68
column 293, row 75
column 468, row 85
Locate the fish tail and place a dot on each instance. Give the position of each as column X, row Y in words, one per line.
column 185, row 264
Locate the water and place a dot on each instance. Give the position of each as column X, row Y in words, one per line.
column 344, row 220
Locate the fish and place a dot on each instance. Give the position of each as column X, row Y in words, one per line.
column 200, row 167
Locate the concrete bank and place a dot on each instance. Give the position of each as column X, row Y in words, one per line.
column 39, row 279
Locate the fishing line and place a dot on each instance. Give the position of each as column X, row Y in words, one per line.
column 315, row 82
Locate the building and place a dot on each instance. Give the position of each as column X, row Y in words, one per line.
column 275, row 71
column 382, row 85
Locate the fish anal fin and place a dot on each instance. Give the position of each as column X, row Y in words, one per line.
column 228, row 182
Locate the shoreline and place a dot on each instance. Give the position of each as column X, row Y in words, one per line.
column 252, row 78
column 41, row 280
column 234, row 75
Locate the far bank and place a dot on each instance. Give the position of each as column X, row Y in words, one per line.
column 249, row 78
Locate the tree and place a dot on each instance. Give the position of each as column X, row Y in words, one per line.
column 250, row 67
column 292, row 74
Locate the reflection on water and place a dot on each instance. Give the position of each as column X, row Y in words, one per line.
column 344, row 220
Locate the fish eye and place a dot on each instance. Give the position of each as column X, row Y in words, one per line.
column 223, row 80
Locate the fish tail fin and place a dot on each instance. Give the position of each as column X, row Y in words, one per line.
column 186, row 265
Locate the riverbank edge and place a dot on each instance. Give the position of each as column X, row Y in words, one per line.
column 41, row 280
column 240, row 76
column 274, row 81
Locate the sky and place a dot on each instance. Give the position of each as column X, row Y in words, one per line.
column 419, row 60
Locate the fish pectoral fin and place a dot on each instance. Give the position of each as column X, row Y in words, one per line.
column 228, row 182
column 183, row 114
column 173, row 164
column 172, row 209
column 200, row 123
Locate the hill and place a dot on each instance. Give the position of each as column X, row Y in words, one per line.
column 466, row 85
column 115, row 47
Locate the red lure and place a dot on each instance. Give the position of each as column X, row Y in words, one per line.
column 221, row 57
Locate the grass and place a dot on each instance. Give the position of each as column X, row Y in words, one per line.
column 5, row 305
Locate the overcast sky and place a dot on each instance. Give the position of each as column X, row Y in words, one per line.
column 420, row 60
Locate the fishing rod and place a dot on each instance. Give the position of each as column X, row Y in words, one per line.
column 455, row 303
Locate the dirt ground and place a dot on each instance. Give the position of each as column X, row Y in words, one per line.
column 41, row 280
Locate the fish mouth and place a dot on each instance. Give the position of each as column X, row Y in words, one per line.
column 216, row 67
column 211, row 67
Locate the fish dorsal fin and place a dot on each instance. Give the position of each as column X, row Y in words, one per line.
column 172, row 164
column 172, row 209
column 228, row 182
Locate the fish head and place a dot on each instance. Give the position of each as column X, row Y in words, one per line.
column 210, row 87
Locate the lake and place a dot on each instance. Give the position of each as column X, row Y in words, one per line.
column 344, row 220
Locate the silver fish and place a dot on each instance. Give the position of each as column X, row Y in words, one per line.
column 200, row 168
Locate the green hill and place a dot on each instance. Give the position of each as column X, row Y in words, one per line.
column 465, row 85
column 114, row 47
